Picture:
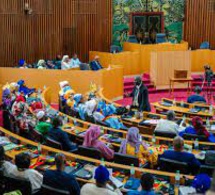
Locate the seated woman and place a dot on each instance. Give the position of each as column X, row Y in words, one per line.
column 135, row 147
column 106, row 113
column 42, row 126
column 198, row 128
column 91, row 139
column 41, row 64
column 19, row 111
column 65, row 63
column 69, row 97
column 80, row 105
column 24, row 89
column 6, row 106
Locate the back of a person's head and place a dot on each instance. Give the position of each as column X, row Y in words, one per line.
column 198, row 89
column 56, row 122
column 178, row 143
column 60, row 161
column 101, row 175
column 170, row 115
column 147, row 181
column 22, row 161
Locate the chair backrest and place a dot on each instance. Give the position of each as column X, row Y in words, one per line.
column 36, row 136
column 180, row 74
column 84, row 66
column 160, row 37
column 188, row 136
column 12, row 184
column 165, row 134
column 173, row 165
column 53, row 191
column 132, row 39
column 210, row 158
column 52, row 143
column 207, row 169
column 126, row 159
column 89, row 152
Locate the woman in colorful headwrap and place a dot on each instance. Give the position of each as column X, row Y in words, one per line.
column 106, row 113
column 69, row 97
column 198, row 128
column 80, row 105
column 24, row 89
column 19, row 111
column 91, row 139
column 135, row 147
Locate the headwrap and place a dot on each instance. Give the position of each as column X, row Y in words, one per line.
column 90, row 106
column 63, row 84
column 64, row 58
column 6, row 97
column 13, row 86
column 20, row 98
column 41, row 63
column 68, row 94
column 201, row 183
column 91, row 136
column 23, row 88
column 199, row 126
column 101, row 174
column 40, row 115
column 133, row 138
column 21, row 62
column 77, row 98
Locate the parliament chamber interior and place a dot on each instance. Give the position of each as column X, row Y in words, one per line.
column 107, row 97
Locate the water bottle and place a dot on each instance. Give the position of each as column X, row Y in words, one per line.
column 65, row 120
column 211, row 109
column 182, row 103
column 132, row 171
column 174, row 102
column 39, row 149
column 153, row 139
column 196, row 144
column 208, row 125
column 177, row 179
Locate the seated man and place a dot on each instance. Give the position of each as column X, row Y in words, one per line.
column 95, row 64
column 147, row 184
column 42, row 126
column 60, row 136
column 22, row 171
column 59, row 179
column 101, row 187
column 196, row 97
column 179, row 155
column 168, row 125
column 6, row 166
column 75, row 62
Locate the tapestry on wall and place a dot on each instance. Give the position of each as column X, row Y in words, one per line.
column 173, row 17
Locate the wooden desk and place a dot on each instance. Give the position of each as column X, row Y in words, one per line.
column 182, row 80
column 182, row 110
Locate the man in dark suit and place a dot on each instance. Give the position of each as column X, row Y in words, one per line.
column 140, row 96
column 179, row 155
column 95, row 64
column 59, row 179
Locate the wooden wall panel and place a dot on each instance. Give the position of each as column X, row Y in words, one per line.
column 199, row 22
column 54, row 27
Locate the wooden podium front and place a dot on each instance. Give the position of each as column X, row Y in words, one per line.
column 163, row 65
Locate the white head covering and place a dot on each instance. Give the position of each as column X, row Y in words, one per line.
column 40, row 114
column 41, row 62
column 90, row 106
column 63, row 84
column 64, row 58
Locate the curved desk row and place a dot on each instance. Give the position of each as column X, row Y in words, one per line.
column 85, row 125
column 45, row 150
